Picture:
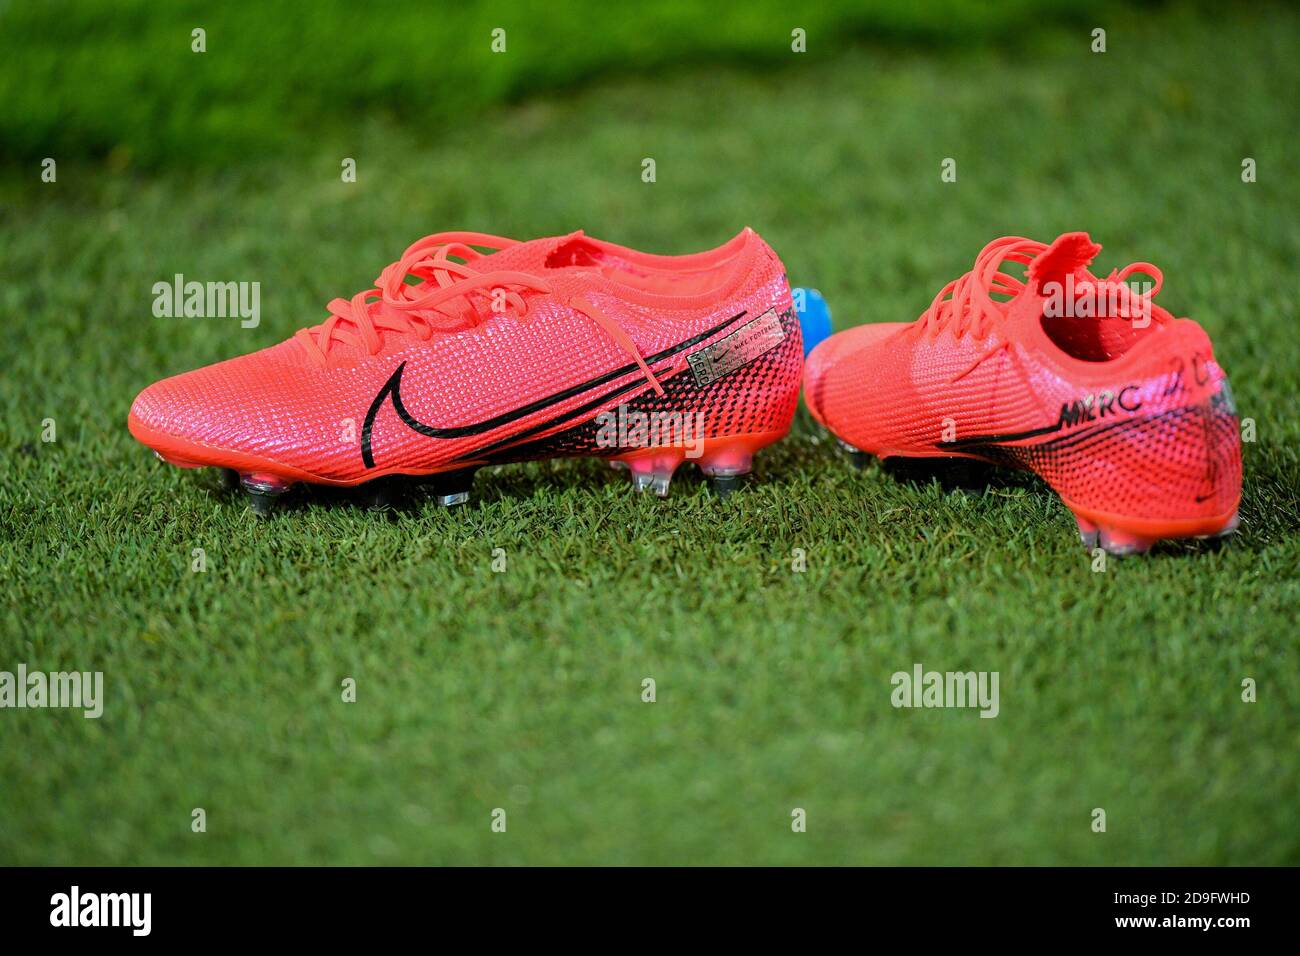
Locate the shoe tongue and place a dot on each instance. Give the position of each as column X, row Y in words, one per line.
column 1068, row 255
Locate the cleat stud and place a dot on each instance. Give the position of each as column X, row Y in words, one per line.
column 725, row 485
column 382, row 494
column 260, row 483
column 857, row 457
column 376, row 499
column 654, row 472
column 262, row 505
column 229, row 479
column 727, row 459
column 1114, row 541
column 1088, row 533
column 263, row 490
column 453, row 488
column 727, row 464
column 1122, row 544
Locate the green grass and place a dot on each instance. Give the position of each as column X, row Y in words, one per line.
column 521, row 690
column 120, row 78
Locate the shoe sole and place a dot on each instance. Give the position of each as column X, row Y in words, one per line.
column 1122, row 536
column 725, row 460
column 1117, row 535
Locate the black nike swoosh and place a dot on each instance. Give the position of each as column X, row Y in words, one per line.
column 998, row 439
column 393, row 388
column 550, row 423
column 1065, row 441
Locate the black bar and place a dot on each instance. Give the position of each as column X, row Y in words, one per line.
column 925, row 905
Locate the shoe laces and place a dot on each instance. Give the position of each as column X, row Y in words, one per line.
column 450, row 294
column 967, row 305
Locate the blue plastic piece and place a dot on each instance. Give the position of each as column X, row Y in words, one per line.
column 814, row 317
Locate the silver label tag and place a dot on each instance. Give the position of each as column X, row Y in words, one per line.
column 738, row 349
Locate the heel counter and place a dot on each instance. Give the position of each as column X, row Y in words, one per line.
column 1171, row 473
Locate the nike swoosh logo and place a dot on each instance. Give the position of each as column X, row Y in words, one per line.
column 393, row 388
column 999, row 439
column 978, row 442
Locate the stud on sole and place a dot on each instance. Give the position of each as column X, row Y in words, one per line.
column 263, row 491
column 653, row 471
column 857, row 457
column 453, row 488
column 380, row 495
column 727, row 464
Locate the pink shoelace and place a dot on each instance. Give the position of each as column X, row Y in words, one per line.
column 450, row 294
column 968, row 301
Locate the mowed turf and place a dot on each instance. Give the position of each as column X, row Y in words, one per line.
column 522, row 690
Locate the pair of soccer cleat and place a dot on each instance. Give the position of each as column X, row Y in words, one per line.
column 474, row 350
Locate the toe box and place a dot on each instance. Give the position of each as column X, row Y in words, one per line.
column 842, row 363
